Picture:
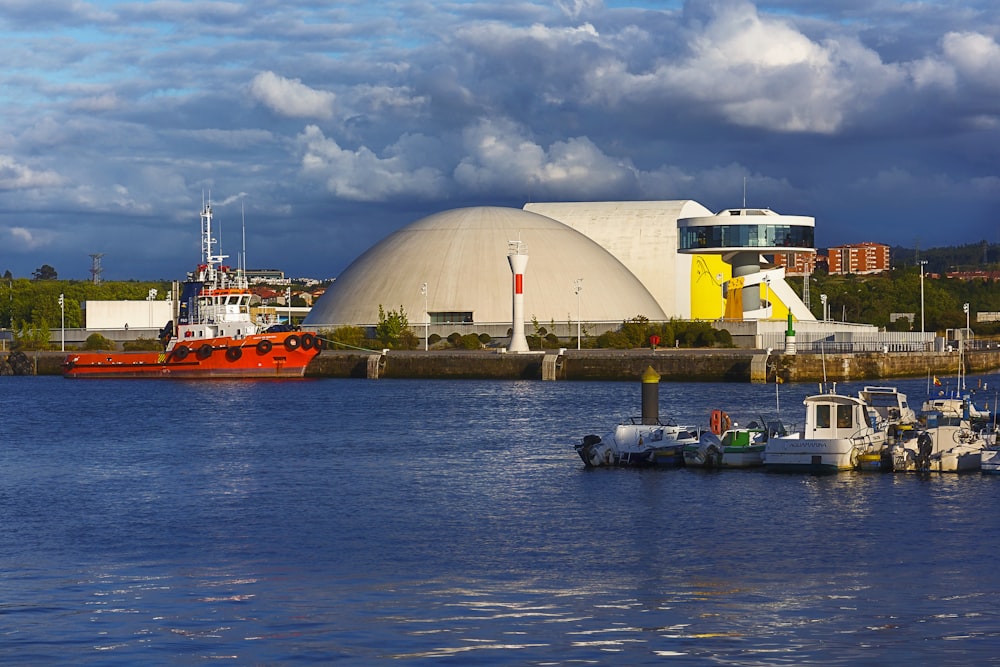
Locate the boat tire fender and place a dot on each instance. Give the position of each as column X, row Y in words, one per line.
column 308, row 341
column 234, row 353
column 204, row 352
column 319, row 344
column 264, row 346
column 293, row 342
column 181, row 352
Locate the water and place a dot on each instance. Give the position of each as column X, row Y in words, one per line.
column 360, row 522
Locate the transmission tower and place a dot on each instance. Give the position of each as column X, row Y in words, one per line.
column 95, row 267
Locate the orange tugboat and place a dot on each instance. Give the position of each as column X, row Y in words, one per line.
column 212, row 334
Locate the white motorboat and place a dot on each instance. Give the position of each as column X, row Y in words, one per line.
column 640, row 441
column 957, row 406
column 989, row 457
column 636, row 443
column 944, row 444
column 888, row 410
column 838, row 431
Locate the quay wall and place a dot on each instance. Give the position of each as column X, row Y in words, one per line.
column 677, row 365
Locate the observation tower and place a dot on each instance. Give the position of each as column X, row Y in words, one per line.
column 741, row 236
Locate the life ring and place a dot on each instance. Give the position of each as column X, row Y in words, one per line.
column 308, row 340
column 234, row 353
column 720, row 422
column 264, row 346
column 204, row 352
column 181, row 352
column 292, row 342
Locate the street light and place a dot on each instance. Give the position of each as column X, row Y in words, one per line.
column 62, row 310
column 427, row 315
column 965, row 307
column 822, row 298
column 767, row 297
column 578, row 288
column 922, row 263
column 722, row 295
column 150, row 297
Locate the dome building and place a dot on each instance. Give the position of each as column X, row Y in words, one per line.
column 453, row 266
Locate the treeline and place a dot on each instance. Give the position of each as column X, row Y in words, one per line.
column 873, row 299
column 35, row 303
column 970, row 257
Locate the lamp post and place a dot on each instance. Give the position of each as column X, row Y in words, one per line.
column 722, row 295
column 427, row 316
column 149, row 298
column 578, row 288
column 822, row 298
column 62, row 312
column 965, row 307
column 922, row 263
column 767, row 298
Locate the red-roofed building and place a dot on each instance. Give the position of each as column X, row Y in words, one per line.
column 858, row 258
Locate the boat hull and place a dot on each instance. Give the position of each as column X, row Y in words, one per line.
column 809, row 454
column 637, row 445
column 989, row 460
column 269, row 355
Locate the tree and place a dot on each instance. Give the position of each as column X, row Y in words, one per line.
column 44, row 272
column 393, row 329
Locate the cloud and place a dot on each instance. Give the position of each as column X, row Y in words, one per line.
column 501, row 158
column 16, row 176
column 22, row 239
column 290, row 97
column 361, row 175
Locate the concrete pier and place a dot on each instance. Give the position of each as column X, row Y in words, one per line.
column 673, row 365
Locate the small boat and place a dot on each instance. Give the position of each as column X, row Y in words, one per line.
column 635, row 443
column 735, row 446
column 944, row 444
column 838, row 431
column 640, row 441
column 211, row 335
column 989, row 457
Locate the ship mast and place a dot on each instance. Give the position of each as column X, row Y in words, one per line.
column 209, row 259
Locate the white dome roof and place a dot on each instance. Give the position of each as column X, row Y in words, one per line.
column 462, row 256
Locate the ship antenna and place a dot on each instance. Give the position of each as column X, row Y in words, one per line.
column 744, row 192
column 243, row 216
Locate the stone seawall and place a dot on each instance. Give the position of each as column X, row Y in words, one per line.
column 673, row 365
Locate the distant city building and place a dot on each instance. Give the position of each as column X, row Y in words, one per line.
column 985, row 276
column 858, row 258
column 273, row 276
column 798, row 263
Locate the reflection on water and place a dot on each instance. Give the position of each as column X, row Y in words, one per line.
column 414, row 522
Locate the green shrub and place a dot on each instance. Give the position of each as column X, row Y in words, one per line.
column 345, row 338
column 96, row 341
column 454, row 338
column 485, row 338
column 470, row 342
column 141, row 344
column 433, row 339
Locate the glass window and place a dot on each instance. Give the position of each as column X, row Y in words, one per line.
column 822, row 416
column 845, row 416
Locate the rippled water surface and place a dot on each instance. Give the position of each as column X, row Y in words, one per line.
column 417, row 522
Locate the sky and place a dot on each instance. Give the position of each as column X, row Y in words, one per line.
column 321, row 127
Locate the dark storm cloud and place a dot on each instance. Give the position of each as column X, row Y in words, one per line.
column 331, row 126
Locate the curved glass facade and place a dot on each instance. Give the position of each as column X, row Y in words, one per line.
column 746, row 236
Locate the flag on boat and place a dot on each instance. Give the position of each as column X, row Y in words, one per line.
column 937, row 383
